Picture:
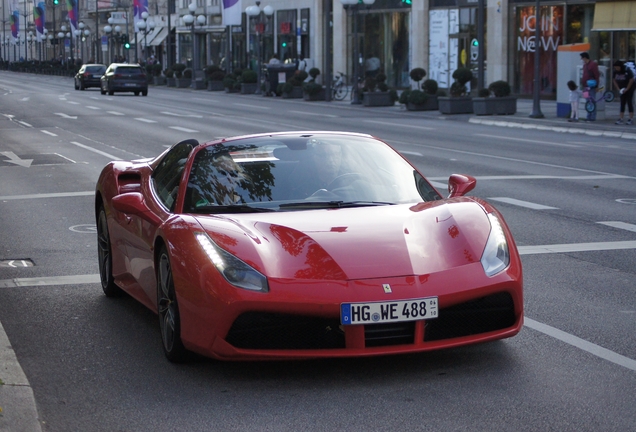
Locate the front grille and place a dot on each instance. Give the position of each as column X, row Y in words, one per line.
column 494, row 312
column 262, row 330
column 376, row 335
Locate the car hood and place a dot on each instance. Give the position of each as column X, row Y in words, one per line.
column 355, row 243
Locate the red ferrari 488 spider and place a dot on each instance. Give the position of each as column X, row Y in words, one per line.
column 304, row 245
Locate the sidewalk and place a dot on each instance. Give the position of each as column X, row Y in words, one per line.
column 603, row 126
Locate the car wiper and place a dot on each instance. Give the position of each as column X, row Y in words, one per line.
column 332, row 204
column 231, row 208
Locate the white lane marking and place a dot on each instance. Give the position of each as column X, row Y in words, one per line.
column 581, row 344
column 48, row 281
column 16, row 160
column 46, row 195
column 73, row 103
column 398, row 125
column 252, row 106
column 538, row 177
column 620, row 225
column 180, row 115
column 145, row 120
column 108, row 155
column 48, row 133
column 115, row 113
column 576, row 247
column 182, row 129
column 527, row 140
column 525, row 204
column 312, row 114
column 93, row 107
column 414, row 154
column 24, row 123
column 65, row 116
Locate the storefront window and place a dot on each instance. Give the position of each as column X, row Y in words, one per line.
column 551, row 36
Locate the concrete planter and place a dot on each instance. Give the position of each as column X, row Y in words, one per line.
column 495, row 105
column 455, row 105
column 159, row 80
column 296, row 93
column 376, row 99
column 199, row 85
column 171, row 82
column 431, row 104
column 320, row 96
column 184, row 82
column 248, row 88
column 215, row 86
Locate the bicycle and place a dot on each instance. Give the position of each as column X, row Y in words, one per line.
column 590, row 101
column 339, row 87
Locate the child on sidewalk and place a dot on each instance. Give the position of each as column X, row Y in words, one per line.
column 575, row 95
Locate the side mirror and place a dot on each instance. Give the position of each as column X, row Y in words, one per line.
column 460, row 185
column 133, row 203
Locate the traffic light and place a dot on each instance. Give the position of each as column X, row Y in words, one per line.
column 408, row 2
column 475, row 42
column 56, row 2
column 124, row 40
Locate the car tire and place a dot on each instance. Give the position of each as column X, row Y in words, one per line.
column 136, row 93
column 168, row 311
column 144, row 93
column 81, row 86
column 102, row 91
column 104, row 253
column 110, row 92
column 75, row 85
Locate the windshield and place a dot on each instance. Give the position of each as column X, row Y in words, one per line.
column 285, row 173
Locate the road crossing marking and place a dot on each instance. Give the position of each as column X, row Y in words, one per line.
column 73, row 103
column 182, row 129
column 24, row 123
column 115, row 113
column 93, row 107
column 525, row 204
column 180, row 115
column 620, row 225
column 145, row 120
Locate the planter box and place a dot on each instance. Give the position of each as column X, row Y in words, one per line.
column 215, row 86
column 199, row 85
column 296, row 93
column 455, row 105
column 171, row 82
column 159, row 80
column 375, row 99
column 184, row 82
column 495, row 105
column 231, row 90
column 320, row 96
column 431, row 104
column 248, row 88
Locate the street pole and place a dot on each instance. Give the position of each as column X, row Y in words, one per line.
column 480, row 48
column 536, row 93
column 327, row 49
column 356, row 55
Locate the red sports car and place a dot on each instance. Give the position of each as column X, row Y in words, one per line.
column 304, row 245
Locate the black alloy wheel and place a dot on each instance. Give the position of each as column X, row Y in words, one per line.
column 168, row 310
column 105, row 257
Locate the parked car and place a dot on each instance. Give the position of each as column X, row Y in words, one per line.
column 304, row 245
column 89, row 75
column 123, row 77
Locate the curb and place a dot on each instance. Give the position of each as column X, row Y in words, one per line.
column 561, row 129
column 18, row 412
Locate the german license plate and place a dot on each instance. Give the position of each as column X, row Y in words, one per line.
column 130, row 84
column 387, row 312
column 97, row 76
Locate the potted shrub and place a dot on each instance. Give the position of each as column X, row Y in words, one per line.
column 171, row 81
column 376, row 93
column 157, row 78
column 293, row 88
column 180, row 75
column 495, row 100
column 230, row 83
column 215, row 76
column 249, row 82
column 312, row 91
column 459, row 101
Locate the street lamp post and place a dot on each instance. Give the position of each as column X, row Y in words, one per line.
column 354, row 5
column 189, row 20
column 255, row 11
column 145, row 26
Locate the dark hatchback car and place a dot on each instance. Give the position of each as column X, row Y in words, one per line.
column 123, row 77
column 89, row 75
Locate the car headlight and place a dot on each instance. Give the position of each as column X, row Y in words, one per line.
column 233, row 269
column 496, row 256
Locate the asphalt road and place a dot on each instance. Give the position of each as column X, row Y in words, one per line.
column 95, row 364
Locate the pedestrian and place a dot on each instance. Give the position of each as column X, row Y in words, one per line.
column 274, row 60
column 624, row 83
column 590, row 79
column 575, row 95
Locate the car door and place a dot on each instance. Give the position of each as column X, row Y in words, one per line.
column 160, row 191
